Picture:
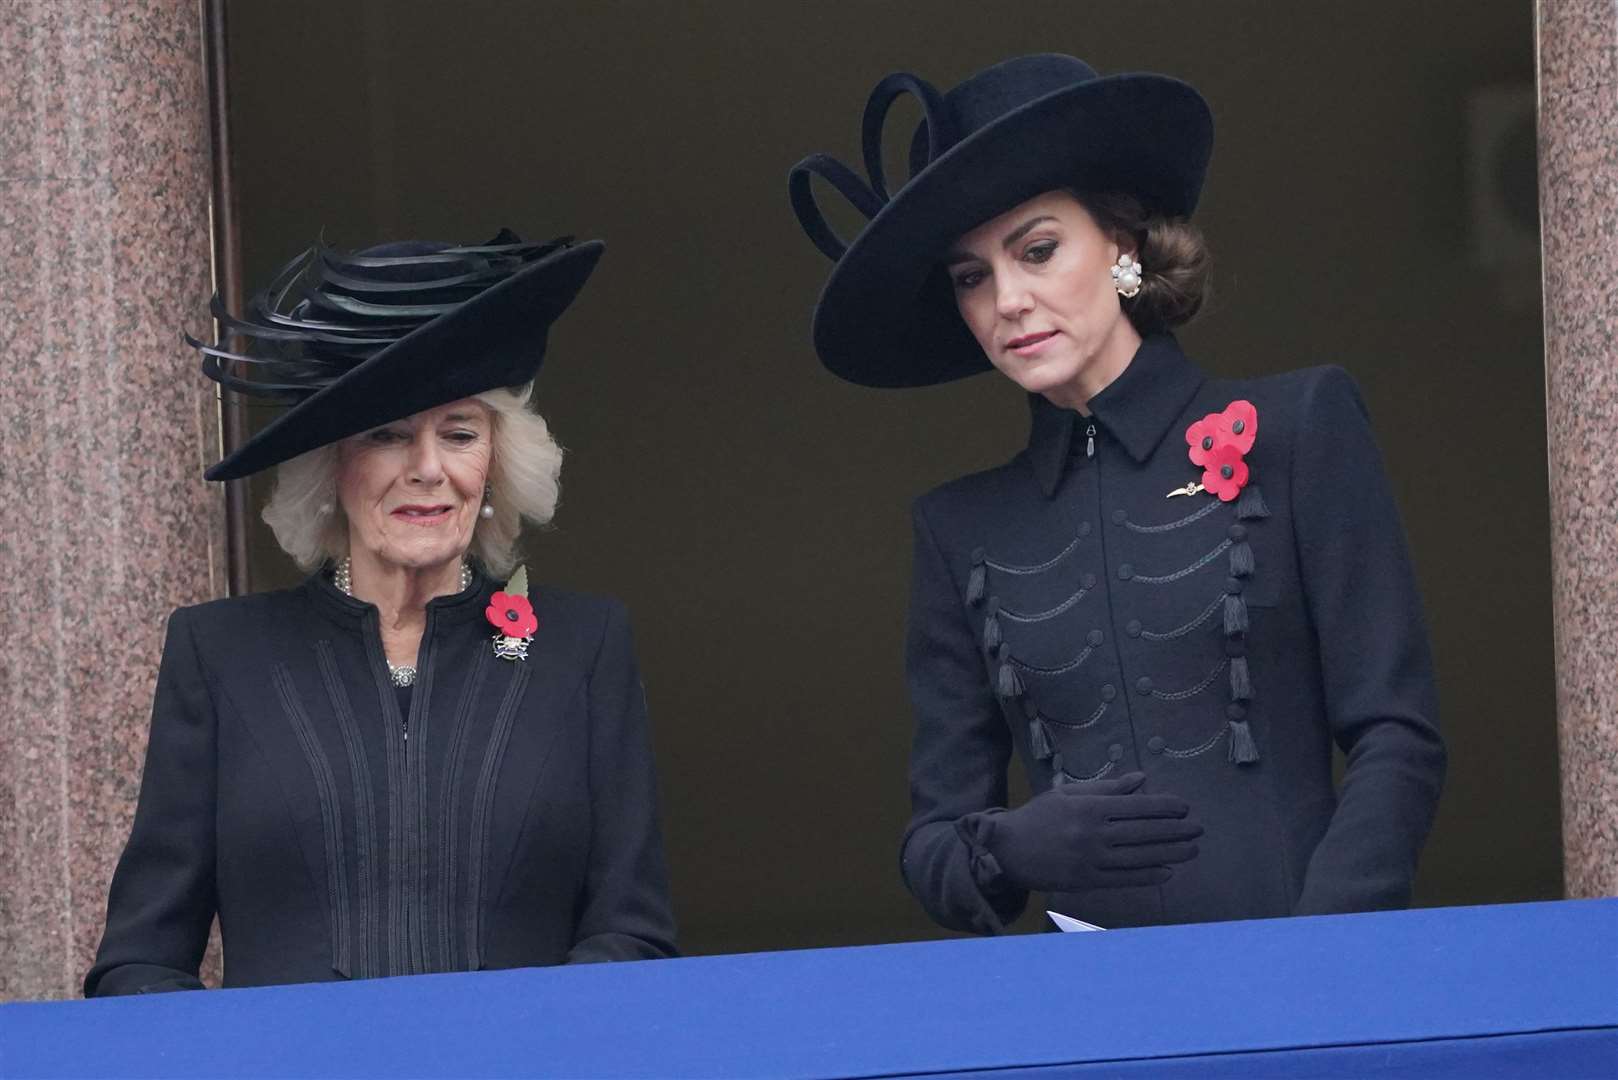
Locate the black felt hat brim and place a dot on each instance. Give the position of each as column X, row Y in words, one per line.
column 495, row 339
column 887, row 315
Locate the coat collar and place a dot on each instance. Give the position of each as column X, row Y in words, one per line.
column 452, row 609
column 1137, row 409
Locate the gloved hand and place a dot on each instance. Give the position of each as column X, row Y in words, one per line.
column 1098, row 835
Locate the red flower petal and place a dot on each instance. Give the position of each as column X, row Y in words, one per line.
column 1226, row 473
column 511, row 615
column 1238, row 425
column 1202, row 437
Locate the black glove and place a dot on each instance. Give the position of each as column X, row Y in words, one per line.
column 1098, row 835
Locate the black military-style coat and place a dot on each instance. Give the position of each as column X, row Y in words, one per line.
column 1068, row 609
column 500, row 813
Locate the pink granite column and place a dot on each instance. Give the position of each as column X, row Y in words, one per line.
column 1578, row 178
column 104, row 429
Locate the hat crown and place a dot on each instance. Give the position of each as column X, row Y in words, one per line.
column 399, row 249
column 986, row 96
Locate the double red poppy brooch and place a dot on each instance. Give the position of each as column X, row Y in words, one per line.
column 513, row 618
column 1219, row 444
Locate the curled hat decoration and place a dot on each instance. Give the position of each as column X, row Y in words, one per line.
column 351, row 341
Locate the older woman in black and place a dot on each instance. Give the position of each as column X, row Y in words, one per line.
column 1185, row 589
column 408, row 763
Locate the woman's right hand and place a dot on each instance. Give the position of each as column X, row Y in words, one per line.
column 1100, row 835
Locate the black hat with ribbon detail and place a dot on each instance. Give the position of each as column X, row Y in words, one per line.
column 354, row 341
column 887, row 314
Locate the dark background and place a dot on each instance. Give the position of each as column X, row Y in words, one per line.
column 1370, row 203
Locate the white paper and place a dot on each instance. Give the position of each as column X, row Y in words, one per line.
column 1069, row 925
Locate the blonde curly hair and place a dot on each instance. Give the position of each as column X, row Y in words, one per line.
column 525, row 467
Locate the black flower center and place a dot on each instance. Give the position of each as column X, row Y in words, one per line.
column 1226, row 471
column 511, row 615
column 1207, row 442
column 1239, row 426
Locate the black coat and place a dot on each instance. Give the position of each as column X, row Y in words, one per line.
column 509, row 819
column 1066, row 609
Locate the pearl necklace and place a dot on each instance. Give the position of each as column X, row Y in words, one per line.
column 343, row 578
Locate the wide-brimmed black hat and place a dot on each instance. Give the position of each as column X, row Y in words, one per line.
column 887, row 314
column 354, row 341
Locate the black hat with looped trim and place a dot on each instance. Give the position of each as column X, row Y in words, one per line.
column 354, row 341
column 887, row 314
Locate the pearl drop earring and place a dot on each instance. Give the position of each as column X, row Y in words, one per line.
column 1126, row 276
column 487, row 511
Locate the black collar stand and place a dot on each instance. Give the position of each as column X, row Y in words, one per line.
column 1137, row 409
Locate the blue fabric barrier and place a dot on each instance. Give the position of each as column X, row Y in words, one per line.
column 1521, row 990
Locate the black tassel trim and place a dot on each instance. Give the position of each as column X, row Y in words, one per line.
column 1241, row 687
column 991, row 633
column 1058, row 773
column 1241, row 559
column 1039, row 740
column 985, row 867
column 975, row 585
column 1235, row 614
column 1243, row 750
column 1008, row 683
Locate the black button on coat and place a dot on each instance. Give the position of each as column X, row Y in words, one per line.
column 509, row 820
column 1067, row 609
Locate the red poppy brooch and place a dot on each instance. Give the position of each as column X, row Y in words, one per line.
column 513, row 618
column 1219, row 444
